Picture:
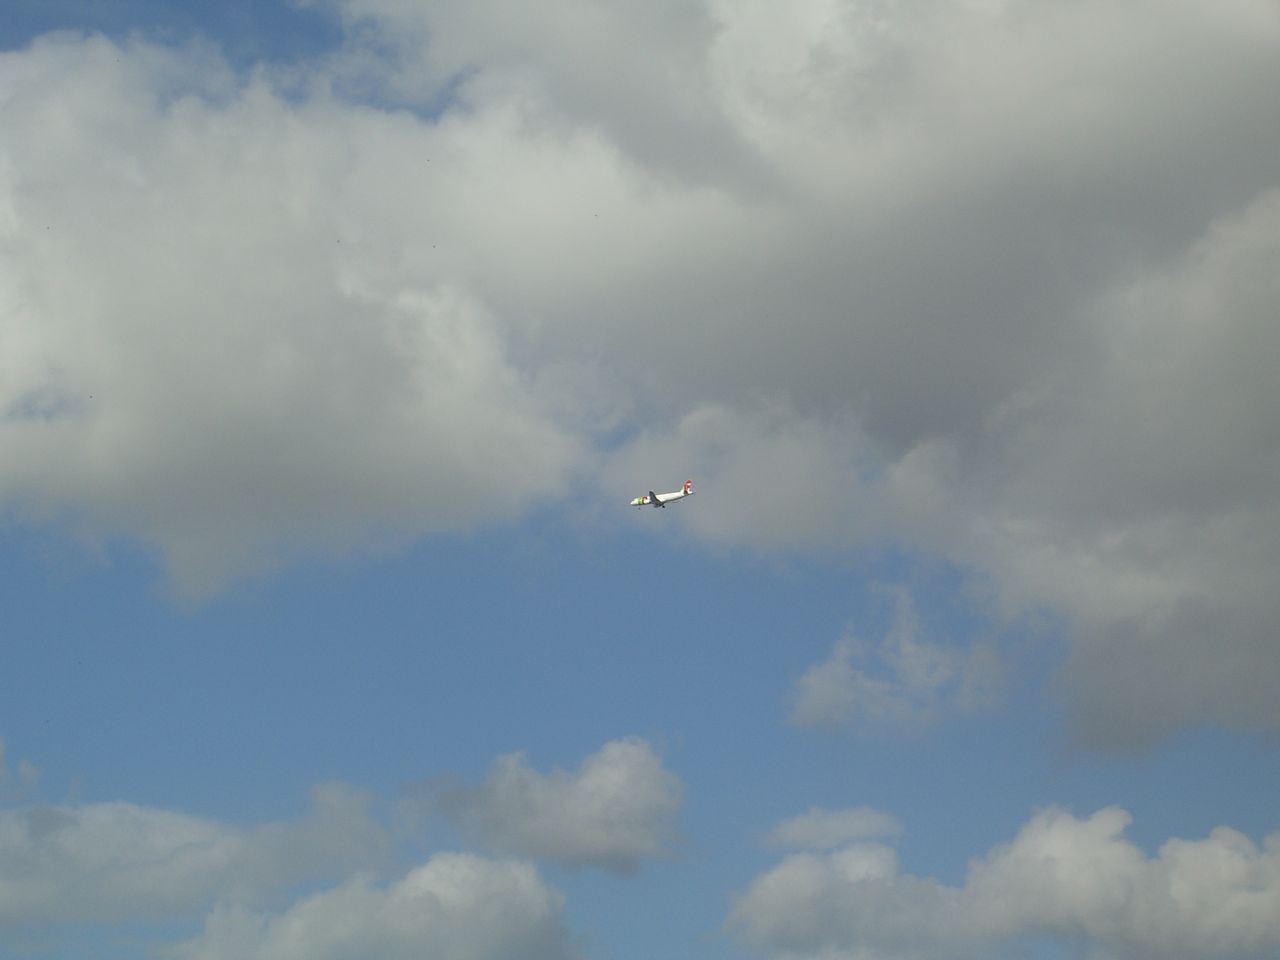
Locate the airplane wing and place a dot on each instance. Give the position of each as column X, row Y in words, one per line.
column 653, row 498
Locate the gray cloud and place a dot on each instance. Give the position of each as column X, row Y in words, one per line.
column 614, row 812
column 805, row 479
column 1138, row 497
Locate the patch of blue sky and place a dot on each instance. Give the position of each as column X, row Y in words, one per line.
column 282, row 40
column 434, row 661
column 247, row 32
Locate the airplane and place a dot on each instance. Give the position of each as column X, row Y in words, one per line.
column 662, row 499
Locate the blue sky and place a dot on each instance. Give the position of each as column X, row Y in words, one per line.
column 337, row 337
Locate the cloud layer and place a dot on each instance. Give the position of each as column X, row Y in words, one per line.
column 993, row 282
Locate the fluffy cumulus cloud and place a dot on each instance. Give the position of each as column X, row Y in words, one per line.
column 455, row 907
column 615, row 811
column 227, row 328
column 118, row 862
column 1081, row 883
column 990, row 281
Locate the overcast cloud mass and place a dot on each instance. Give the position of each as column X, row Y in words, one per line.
column 993, row 281
column 990, row 283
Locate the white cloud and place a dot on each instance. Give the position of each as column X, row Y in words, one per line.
column 1079, row 882
column 638, row 74
column 616, row 810
column 820, row 829
column 904, row 682
column 454, row 907
column 118, row 862
column 211, row 345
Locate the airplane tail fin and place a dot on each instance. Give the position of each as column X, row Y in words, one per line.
column 688, row 487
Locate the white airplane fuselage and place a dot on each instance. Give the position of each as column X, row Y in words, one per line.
column 652, row 499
